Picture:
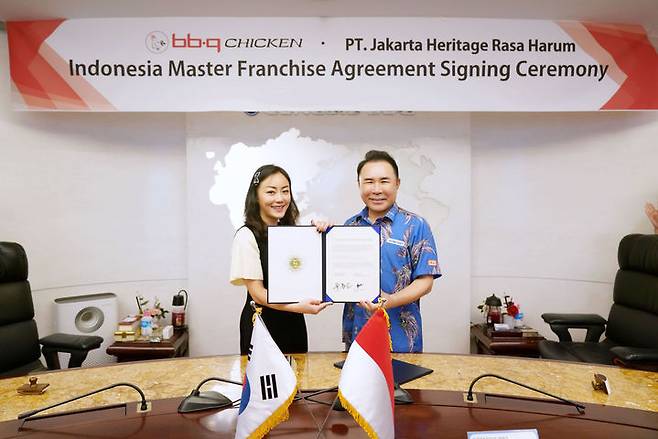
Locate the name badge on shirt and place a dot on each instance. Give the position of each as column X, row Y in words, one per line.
column 395, row 241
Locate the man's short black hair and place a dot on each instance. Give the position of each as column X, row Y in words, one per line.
column 377, row 156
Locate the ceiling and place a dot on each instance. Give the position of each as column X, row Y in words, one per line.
column 643, row 12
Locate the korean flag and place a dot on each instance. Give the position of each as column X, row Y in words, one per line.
column 269, row 386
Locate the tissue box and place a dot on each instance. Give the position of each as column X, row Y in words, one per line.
column 167, row 332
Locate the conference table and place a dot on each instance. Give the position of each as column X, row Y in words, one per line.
column 439, row 408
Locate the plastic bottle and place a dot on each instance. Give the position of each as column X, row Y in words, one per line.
column 146, row 324
column 518, row 320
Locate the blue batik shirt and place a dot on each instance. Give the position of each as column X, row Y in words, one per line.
column 407, row 252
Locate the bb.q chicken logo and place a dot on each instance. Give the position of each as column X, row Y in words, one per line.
column 157, row 42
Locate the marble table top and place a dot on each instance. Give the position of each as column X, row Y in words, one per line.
column 161, row 379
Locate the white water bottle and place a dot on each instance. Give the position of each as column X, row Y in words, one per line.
column 518, row 320
column 146, row 324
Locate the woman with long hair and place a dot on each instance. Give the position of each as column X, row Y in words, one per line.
column 269, row 202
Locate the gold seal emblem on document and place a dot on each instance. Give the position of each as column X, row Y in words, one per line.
column 295, row 263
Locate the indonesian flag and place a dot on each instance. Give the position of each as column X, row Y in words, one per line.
column 366, row 383
column 269, row 386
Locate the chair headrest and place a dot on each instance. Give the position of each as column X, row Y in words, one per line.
column 639, row 253
column 13, row 262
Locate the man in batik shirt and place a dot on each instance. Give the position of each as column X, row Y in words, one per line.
column 409, row 261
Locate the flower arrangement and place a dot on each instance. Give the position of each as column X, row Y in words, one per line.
column 156, row 311
column 512, row 309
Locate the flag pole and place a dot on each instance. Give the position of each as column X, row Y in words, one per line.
column 331, row 409
column 257, row 311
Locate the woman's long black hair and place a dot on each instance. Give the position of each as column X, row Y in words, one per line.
column 252, row 216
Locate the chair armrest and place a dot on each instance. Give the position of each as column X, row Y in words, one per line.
column 77, row 345
column 634, row 357
column 574, row 319
column 70, row 341
column 561, row 323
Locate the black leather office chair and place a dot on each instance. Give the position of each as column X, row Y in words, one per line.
column 19, row 341
column 631, row 331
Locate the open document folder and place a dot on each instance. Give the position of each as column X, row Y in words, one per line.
column 341, row 265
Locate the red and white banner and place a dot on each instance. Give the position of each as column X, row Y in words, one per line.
column 319, row 64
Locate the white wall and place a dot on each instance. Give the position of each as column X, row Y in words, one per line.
column 97, row 200
column 553, row 194
column 605, row 11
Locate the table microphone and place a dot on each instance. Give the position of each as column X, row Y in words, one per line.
column 469, row 396
column 197, row 400
column 144, row 405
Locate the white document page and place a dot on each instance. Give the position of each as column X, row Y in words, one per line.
column 352, row 263
column 294, row 264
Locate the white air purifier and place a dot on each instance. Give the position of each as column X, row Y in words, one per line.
column 92, row 314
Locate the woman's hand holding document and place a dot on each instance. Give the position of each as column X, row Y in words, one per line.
column 341, row 265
